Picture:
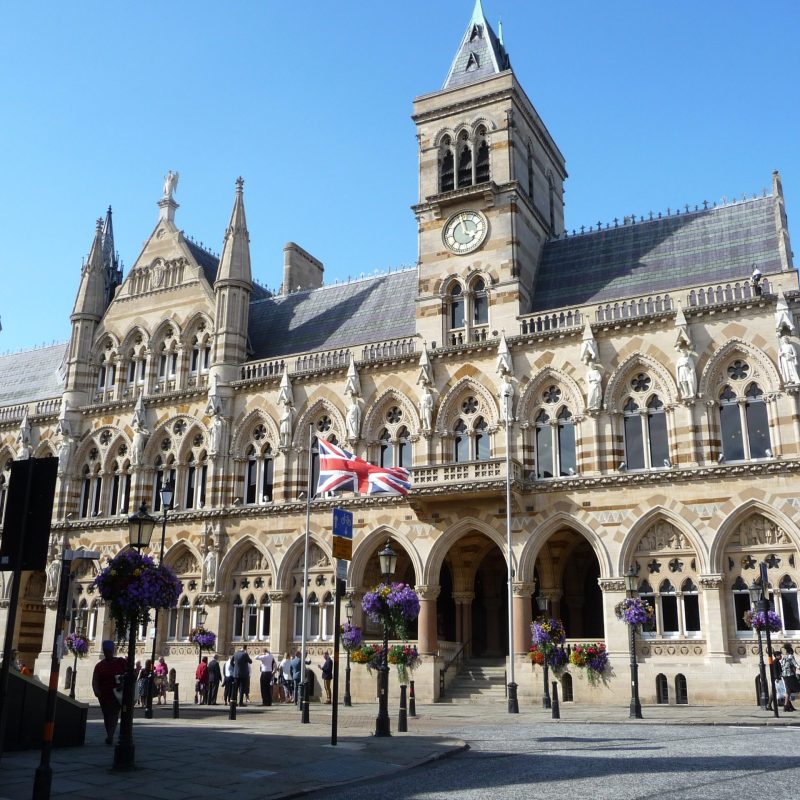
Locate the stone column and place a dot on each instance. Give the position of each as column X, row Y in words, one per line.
column 616, row 632
column 522, row 615
column 427, row 635
column 280, row 621
column 714, row 616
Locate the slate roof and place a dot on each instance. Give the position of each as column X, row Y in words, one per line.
column 480, row 45
column 696, row 248
column 210, row 264
column 31, row 375
column 370, row 310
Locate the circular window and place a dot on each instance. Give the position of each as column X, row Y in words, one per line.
column 259, row 433
column 394, row 415
column 552, row 394
column 738, row 370
column 324, row 424
column 641, row 383
column 166, row 443
column 179, row 428
column 470, row 405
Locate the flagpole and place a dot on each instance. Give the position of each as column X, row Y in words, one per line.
column 513, row 705
column 303, row 687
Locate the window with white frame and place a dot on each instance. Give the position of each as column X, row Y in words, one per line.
column 164, row 472
column 394, row 441
column 250, row 599
column 789, row 611
column 644, row 426
column 743, row 419
column 471, row 433
column 119, row 499
column 259, row 469
column 554, row 436
column 319, row 622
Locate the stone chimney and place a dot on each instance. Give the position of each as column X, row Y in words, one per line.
column 300, row 270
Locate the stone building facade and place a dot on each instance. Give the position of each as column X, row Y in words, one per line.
column 654, row 417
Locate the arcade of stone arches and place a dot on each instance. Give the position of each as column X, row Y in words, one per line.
column 698, row 586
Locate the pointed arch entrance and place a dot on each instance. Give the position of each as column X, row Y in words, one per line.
column 567, row 572
column 472, row 606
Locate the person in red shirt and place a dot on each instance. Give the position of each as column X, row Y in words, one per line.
column 201, row 681
column 108, row 674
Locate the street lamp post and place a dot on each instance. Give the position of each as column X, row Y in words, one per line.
column 201, row 615
column 140, row 526
column 631, row 590
column 755, row 601
column 542, row 603
column 388, row 560
column 348, row 610
column 167, row 491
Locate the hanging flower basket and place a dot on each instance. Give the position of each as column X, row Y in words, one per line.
column 395, row 606
column 369, row 655
column 350, row 637
column 203, row 638
column 405, row 658
column 548, row 637
column 763, row 621
column 593, row 657
column 634, row 611
column 131, row 585
column 77, row 645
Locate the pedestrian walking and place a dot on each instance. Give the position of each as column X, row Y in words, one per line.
column 295, row 668
column 105, row 678
column 285, row 669
column 161, row 671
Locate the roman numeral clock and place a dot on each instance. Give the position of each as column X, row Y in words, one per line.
column 465, row 232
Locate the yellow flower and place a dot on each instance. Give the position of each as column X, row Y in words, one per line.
column 113, row 572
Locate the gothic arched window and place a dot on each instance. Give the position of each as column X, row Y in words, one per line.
column 456, row 307
column 790, row 613
column 460, row 442
column 120, row 488
column 480, row 303
column 482, row 156
column 482, row 448
column 464, row 160
column 446, row 166
column 259, row 469
column 386, row 449
column 740, row 414
column 644, row 425
column 554, row 443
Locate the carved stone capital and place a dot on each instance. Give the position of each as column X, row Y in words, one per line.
column 428, row 592
column 611, row 584
column 523, row 588
column 277, row 597
column 711, row 581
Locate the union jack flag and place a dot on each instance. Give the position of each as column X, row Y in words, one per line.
column 340, row 469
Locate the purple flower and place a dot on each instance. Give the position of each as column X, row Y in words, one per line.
column 77, row 645
column 351, row 637
column 634, row 611
column 203, row 638
column 394, row 606
column 758, row 621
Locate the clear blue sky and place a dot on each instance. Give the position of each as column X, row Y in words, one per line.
column 654, row 105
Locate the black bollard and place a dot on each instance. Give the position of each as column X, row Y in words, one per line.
column 554, row 702
column 176, row 706
column 305, row 696
column 412, row 703
column 233, row 696
column 402, row 721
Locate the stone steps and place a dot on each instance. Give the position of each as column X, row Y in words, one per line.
column 479, row 682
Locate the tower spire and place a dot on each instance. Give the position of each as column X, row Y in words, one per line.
column 234, row 264
column 480, row 55
column 90, row 300
column 111, row 266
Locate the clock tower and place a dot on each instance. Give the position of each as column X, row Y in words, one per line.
column 491, row 192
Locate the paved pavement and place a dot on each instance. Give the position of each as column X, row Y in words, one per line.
column 269, row 753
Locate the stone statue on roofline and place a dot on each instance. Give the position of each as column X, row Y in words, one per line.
column 170, row 184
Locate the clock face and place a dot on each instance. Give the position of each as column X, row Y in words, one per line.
column 464, row 232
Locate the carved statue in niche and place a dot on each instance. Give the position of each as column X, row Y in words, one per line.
column 316, row 558
column 140, row 434
column 787, row 361
column 210, row 565
column 186, row 565
column 354, row 419
column 53, row 575
column 217, row 435
column 594, row 382
column 426, row 407
column 286, row 425
column 65, row 454
column 686, row 373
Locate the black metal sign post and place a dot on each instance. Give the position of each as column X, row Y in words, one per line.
column 337, row 615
